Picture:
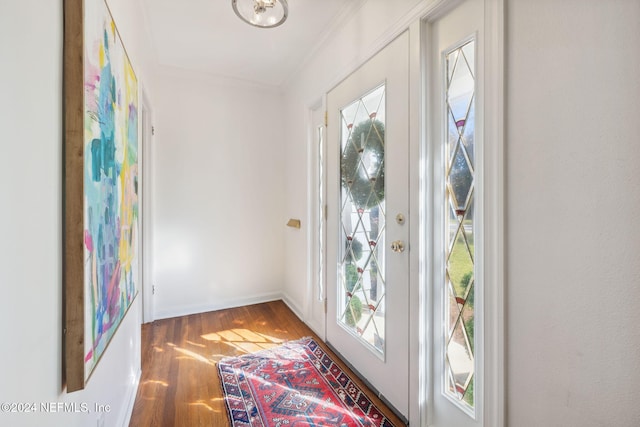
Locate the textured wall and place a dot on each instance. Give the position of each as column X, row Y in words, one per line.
column 573, row 240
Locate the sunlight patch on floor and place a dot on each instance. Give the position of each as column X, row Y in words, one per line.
column 243, row 340
column 149, row 389
column 203, row 405
column 218, row 357
column 240, row 335
column 251, row 347
column 194, row 355
column 155, row 382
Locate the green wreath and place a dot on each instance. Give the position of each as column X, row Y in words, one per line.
column 367, row 139
column 354, row 250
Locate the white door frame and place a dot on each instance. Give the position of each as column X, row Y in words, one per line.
column 146, row 212
column 315, row 313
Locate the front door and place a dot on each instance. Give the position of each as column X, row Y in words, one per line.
column 367, row 228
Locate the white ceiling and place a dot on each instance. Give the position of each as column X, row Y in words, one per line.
column 207, row 36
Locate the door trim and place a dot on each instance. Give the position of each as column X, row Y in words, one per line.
column 146, row 193
column 494, row 237
column 314, row 253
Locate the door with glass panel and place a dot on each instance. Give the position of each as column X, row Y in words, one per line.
column 367, row 230
column 454, row 140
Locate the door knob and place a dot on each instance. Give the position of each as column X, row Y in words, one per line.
column 397, row 246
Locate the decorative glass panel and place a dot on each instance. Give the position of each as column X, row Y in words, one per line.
column 361, row 292
column 459, row 268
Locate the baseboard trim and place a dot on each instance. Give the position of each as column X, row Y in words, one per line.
column 317, row 329
column 224, row 304
column 218, row 305
column 292, row 306
column 131, row 400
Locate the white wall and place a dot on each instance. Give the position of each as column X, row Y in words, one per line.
column 31, row 218
column 218, row 192
column 130, row 20
column 573, row 240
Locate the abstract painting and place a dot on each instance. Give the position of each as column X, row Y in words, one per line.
column 102, row 275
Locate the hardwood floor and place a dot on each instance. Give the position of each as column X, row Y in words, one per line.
column 180, row 385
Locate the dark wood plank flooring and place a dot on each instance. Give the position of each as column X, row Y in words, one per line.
column 180, row 385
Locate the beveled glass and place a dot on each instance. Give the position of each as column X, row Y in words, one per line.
column 459, row 247
column 361, row 285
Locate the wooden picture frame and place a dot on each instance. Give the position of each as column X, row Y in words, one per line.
column 101, row 223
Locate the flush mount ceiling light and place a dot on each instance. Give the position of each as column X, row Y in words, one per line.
column 261, row 13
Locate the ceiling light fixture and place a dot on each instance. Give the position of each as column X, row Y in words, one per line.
column 261, row 13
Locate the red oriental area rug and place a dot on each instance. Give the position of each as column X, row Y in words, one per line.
column 296, row 384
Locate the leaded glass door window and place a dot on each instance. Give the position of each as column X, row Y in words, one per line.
column 460, row 243
column 363, row 219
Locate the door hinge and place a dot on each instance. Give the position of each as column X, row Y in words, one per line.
column 153, row 290
column 326, row 212
column 325, row 306
column 326, row 118
column 153, row 130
